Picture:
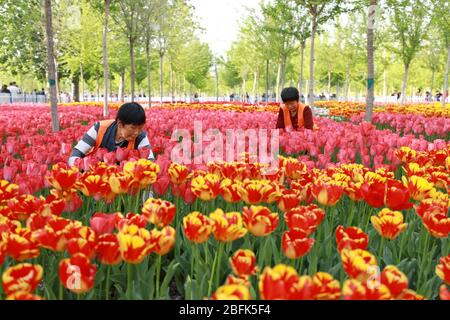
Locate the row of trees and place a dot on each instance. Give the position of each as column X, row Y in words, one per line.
column 402, row 36
column 126, row 44
column 105, row 41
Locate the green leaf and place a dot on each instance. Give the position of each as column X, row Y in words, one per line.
column 173, row 266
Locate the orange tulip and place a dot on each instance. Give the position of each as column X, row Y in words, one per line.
column 358, row 264
column 243, row 263
column 2, row 250
column 355, row 290
column 197, row 227
column 135, row 243
column 163, row 240
column 80, row 245
column 395, row 280
column 178, row 173
column 22, row 245
column 230, row 190
column 23, row 206
column 419, row 187
column 143, row 171
column 437, row 223
column 23, row 295
column 159, row 212
column 244, row 280
column 410, row 295
column 296, row 244
column 77, row 273
column 22, row 277
column 295, row 169
column 283, row 283
column 288, row 200
column 8, row 190
column 121, row 183
column 108, row 249
column 62, row 178
column 131, row 219
column 444, row 292
column 325, row 287
column 327, row 194
column 91, row 185
column 55, row 233
column 259, row 220
column 443, row 269
column 232, row 292
column 307, row 218
column 351, row 238
column 389, row 224
column 256, row 191
column 206, row 187
column 227, row 226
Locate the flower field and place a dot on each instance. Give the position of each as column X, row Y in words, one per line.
column 352, row 211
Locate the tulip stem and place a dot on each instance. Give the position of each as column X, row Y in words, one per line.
column 380, row 249
column 158, row 271
column 219, row 264
column 192, row 260
column 206, row 252
column 61, row 291
column 211, row 278
column 402, row 243
column 129, row 282
column 108, row 274
column 422, row 263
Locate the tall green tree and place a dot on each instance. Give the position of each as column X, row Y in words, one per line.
column 370, row 60
column 441, row 20
column 47, row 8
column 320, row 11
column 410, row 22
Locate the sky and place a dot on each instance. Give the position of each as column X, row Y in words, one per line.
column 220, row 19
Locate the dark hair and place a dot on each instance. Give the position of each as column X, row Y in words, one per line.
column 290, row 94
column 131, row 113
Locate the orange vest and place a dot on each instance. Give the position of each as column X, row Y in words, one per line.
column 104, row 125
column 301, row 121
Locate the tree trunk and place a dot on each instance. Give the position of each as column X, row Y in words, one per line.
column 278, row 82
column 82, row 81
column 257, row 85
column 302, row 60
column 329, row 84
column 122, row 86
column 311, row 63
column 405, row 82
column 267, row 82
column 161, row 61
column 149, row 81
column 385, row 84
column 133, row 72
column 432, row 81
column 171, row 81
column 244, row 92
column 283, row 72
column 370, row 68
column 105, row 59
column 347, row 81
column 58, row 85
column 445, row 93
column 76, row 88
column 217, row 80
column 255, row 75
column 98, row 88
column 51, row 64
column 184, row 89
